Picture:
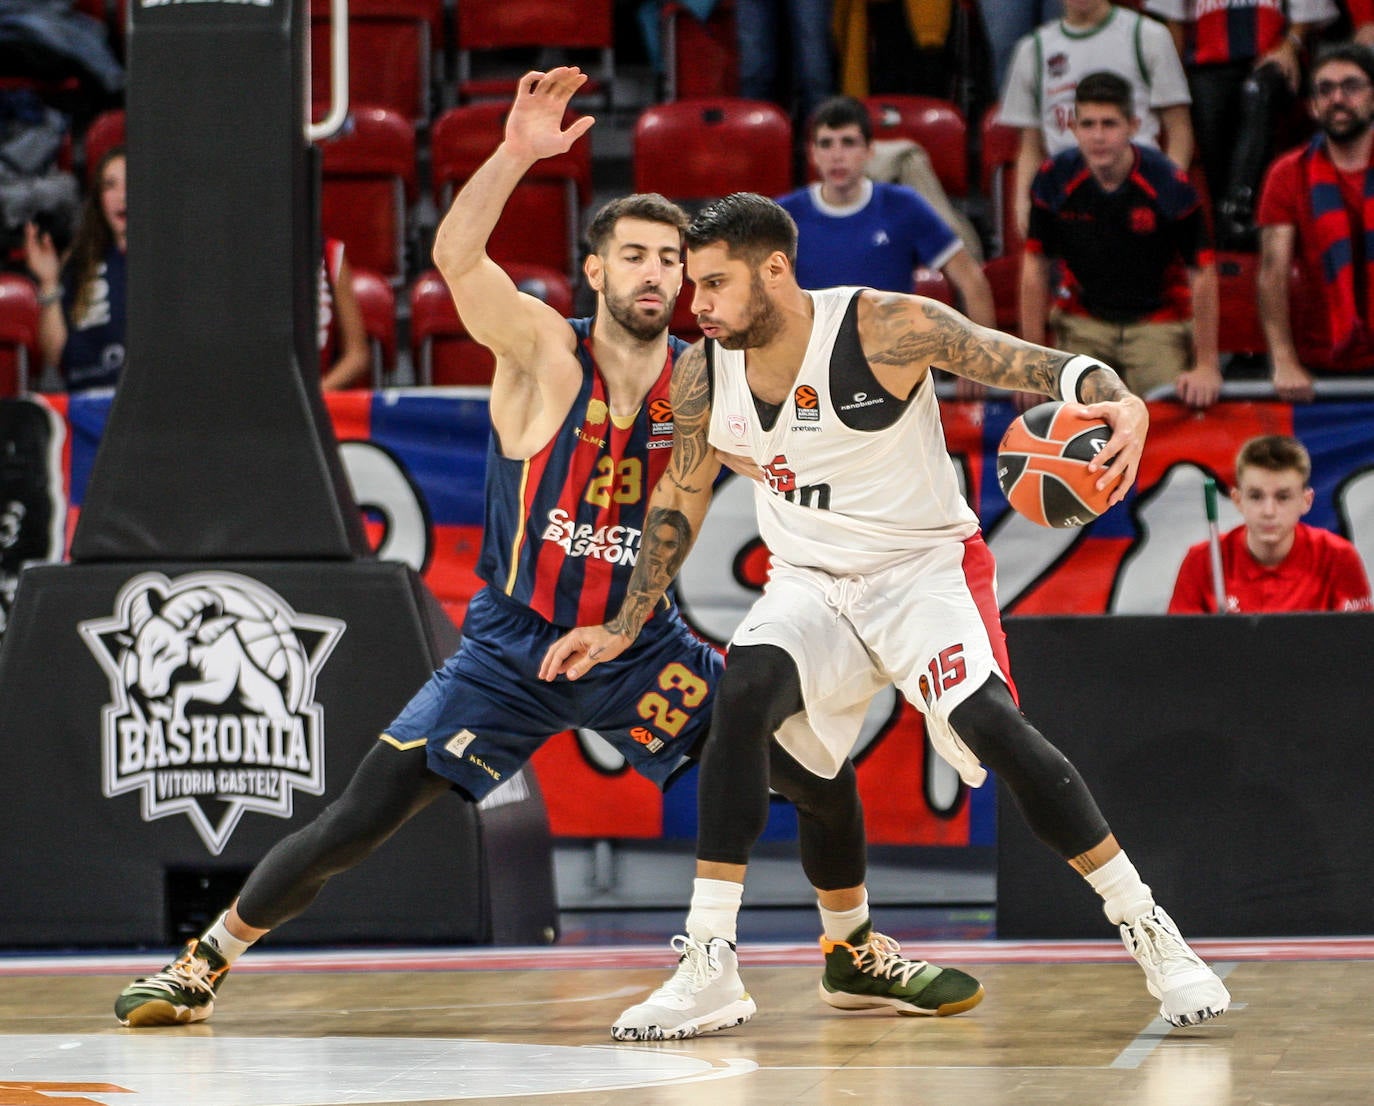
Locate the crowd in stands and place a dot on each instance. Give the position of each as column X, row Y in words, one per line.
column 1121, row 156
column 1243, row 144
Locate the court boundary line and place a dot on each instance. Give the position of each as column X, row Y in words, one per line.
column 602, row 957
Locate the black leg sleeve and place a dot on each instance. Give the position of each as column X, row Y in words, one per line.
column 389, row 787
column 830, row 821
column 1052, row 796
column 759, row 690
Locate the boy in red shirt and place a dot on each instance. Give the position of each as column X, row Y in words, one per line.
column 1272, row 561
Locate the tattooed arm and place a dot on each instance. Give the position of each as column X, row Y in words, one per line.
column 673, row 520
column 904, row 336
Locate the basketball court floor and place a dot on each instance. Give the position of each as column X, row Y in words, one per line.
column 1063, row 1023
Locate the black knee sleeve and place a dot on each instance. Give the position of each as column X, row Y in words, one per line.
column 830, row 821
column 759, row 690
column 389, row 786
column 1053, row 798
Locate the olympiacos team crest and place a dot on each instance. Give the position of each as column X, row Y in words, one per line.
column 212, row 706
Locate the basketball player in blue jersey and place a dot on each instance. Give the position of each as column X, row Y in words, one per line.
column 879, row 573
column 581, row 432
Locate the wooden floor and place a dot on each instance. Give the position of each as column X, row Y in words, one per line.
column 1063, row 1023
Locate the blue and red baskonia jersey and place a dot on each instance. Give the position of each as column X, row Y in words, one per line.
column 563, row 528
column 1237, row 30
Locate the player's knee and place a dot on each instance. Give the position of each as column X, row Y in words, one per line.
column 760, row 689
column 991, row 725
column 997, row 733
column 811, row 793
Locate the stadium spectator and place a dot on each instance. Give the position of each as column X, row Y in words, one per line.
column 1316, row 208
column 760, row 34
column 1108, row 199
column 1244, row 63
column 81, row 297
column 1050, row 61
column 344, row 355
column 853, row 230
column 1006, row 22
column 1273, row 561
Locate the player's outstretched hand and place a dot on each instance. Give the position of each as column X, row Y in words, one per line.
column 1119, row 459
column 580, row 650
column 534, row 127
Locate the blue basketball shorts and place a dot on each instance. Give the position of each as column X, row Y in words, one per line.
column 485, row 712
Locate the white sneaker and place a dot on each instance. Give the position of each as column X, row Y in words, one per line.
column 704, row 994
column 1189, row 992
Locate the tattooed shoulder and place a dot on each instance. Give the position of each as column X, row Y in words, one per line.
column 691, row 398
column 910, row 331
column 690, row 389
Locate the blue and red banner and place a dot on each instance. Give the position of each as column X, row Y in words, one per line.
column 416, row 462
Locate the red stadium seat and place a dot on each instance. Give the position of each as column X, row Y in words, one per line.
column 19, row 365
column 377, row 302
column 539, row 224
column 107, row 130
column 390, row 44
column 444, row 353
column 702, row 149
column 1001, row 144
column 1238, row 328
column 368, row 180
column 937, row 125
column 500, row 26
column 1004, row 275
column 933, row 284
column 700, row 58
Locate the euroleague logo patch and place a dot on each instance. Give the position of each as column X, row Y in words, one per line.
column 808, row 404
column 212, row 687
column 660, row 417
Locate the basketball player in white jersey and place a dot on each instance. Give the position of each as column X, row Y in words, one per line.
column 879, row 574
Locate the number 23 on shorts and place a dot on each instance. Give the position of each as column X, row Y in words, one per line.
column 658, row 710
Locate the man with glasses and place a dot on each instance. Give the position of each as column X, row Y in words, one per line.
column 1316, row 208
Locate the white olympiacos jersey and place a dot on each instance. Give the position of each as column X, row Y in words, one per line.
column 1051, row 60
column 855, row 479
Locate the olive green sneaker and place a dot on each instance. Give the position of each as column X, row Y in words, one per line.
column 866, row 972
column 183, row 992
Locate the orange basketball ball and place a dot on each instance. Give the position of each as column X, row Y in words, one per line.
column 1042, row 466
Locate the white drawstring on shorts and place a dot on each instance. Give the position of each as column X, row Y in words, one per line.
column 842, row 591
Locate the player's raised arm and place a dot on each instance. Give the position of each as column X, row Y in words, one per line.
column 494, row 312
column 903, row 336
column 676, row 510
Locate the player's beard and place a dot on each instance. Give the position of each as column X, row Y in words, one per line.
column 764, row 322
column 624, row 311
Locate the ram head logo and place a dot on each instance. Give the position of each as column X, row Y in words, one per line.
column 212, row 707
column 205, row 644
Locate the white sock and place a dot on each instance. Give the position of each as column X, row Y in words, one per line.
column 840, row 924
column 223, row 942
column 1124, row 896
column 715, row 909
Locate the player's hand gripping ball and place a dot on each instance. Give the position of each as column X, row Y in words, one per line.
column 1042, row 466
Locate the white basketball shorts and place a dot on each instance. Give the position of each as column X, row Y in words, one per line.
column 929, row 624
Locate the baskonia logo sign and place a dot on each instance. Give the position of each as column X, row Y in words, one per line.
column 212, row 706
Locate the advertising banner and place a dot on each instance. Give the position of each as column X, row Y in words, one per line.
column 416, row 459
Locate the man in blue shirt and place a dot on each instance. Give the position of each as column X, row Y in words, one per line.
column 853, row 230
